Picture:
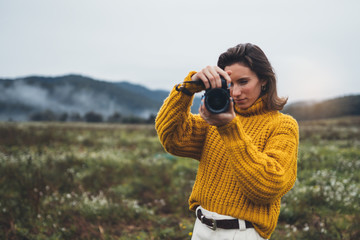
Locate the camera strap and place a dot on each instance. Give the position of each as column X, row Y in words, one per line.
column 181, row 87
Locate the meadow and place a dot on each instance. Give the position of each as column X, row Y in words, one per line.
column 115, row 181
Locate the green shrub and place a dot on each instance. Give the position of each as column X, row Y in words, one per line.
column 110, row 181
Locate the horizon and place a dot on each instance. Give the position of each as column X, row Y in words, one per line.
column 166, row 90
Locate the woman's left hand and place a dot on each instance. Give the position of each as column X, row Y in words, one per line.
column 220, row 119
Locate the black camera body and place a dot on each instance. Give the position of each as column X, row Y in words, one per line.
column 217, row 100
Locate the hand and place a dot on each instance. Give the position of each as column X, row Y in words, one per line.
column 217, row 119
column 210, row 76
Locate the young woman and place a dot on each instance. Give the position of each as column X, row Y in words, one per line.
column 248, row 154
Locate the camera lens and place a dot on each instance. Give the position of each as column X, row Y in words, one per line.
column 217, row 100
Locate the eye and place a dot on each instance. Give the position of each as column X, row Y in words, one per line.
column 243, row 82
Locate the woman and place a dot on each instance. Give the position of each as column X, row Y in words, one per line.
column 248, row 155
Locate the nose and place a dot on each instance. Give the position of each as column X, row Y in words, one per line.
column 235, row 91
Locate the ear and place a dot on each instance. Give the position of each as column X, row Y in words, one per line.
column 264, row 86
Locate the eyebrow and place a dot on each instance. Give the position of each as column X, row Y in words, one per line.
column 243, row 78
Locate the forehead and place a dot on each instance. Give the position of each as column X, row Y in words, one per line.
column 239, row 70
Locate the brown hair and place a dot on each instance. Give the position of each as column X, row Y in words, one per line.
column 254, row 58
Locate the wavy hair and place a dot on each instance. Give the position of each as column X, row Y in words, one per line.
column 254, row 58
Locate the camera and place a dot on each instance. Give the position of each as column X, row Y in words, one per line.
column 217, row 100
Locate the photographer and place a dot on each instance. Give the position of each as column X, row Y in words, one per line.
column 247, row 151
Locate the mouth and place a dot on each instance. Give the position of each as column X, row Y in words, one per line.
column 239, row 101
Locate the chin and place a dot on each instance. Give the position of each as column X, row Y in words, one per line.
column 243, row 106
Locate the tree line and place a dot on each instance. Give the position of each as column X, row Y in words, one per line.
column 332, row 108
column 91, row 117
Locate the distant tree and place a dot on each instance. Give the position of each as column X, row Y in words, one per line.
column 63, row 117
column 75, row 117
column 151, row 119
column 116, row 117
column 133, row 120
column 93, row 117
column 46, row 115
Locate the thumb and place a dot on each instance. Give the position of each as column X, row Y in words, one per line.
column 231, row 106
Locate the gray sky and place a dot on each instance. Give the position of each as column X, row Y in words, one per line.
column 312, row 45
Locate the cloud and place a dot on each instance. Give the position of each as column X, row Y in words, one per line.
column 155, row 43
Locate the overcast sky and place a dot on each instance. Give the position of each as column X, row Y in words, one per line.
column 312, row 45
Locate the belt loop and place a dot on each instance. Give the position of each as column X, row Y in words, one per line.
column 242, row 225
column 196, row 210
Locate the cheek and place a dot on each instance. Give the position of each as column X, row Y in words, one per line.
column 255, row 89
column 257, row 92
column 246, row 90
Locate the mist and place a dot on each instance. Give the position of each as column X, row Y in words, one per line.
column 23, row 97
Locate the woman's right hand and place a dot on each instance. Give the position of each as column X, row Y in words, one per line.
column 210, row 76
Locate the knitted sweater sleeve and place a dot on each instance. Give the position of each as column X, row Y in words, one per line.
column 181, row 132
column 264, row 175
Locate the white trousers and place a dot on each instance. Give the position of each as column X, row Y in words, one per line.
column 203, row 232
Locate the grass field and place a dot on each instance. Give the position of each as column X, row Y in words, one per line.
column 105, row 181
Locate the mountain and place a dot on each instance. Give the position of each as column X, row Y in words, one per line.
column 73, row 97
column 331, row 108
column 75, row 94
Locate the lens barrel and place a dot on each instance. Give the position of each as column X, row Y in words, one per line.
column 217, row 100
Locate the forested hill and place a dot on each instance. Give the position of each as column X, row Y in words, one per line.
column 80, row 98
column 73, row 96
column 331, row 108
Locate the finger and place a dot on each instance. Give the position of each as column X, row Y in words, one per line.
column 209, row 74
column 204, row 79
column 216, row 81
column 212, row 76
column 225, row 74
column 208, row 77
column 195, row 77
column 228, row 80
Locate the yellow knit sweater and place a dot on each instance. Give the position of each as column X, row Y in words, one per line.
column 245, row 166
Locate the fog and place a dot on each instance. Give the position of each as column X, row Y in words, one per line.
column 24, row 99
